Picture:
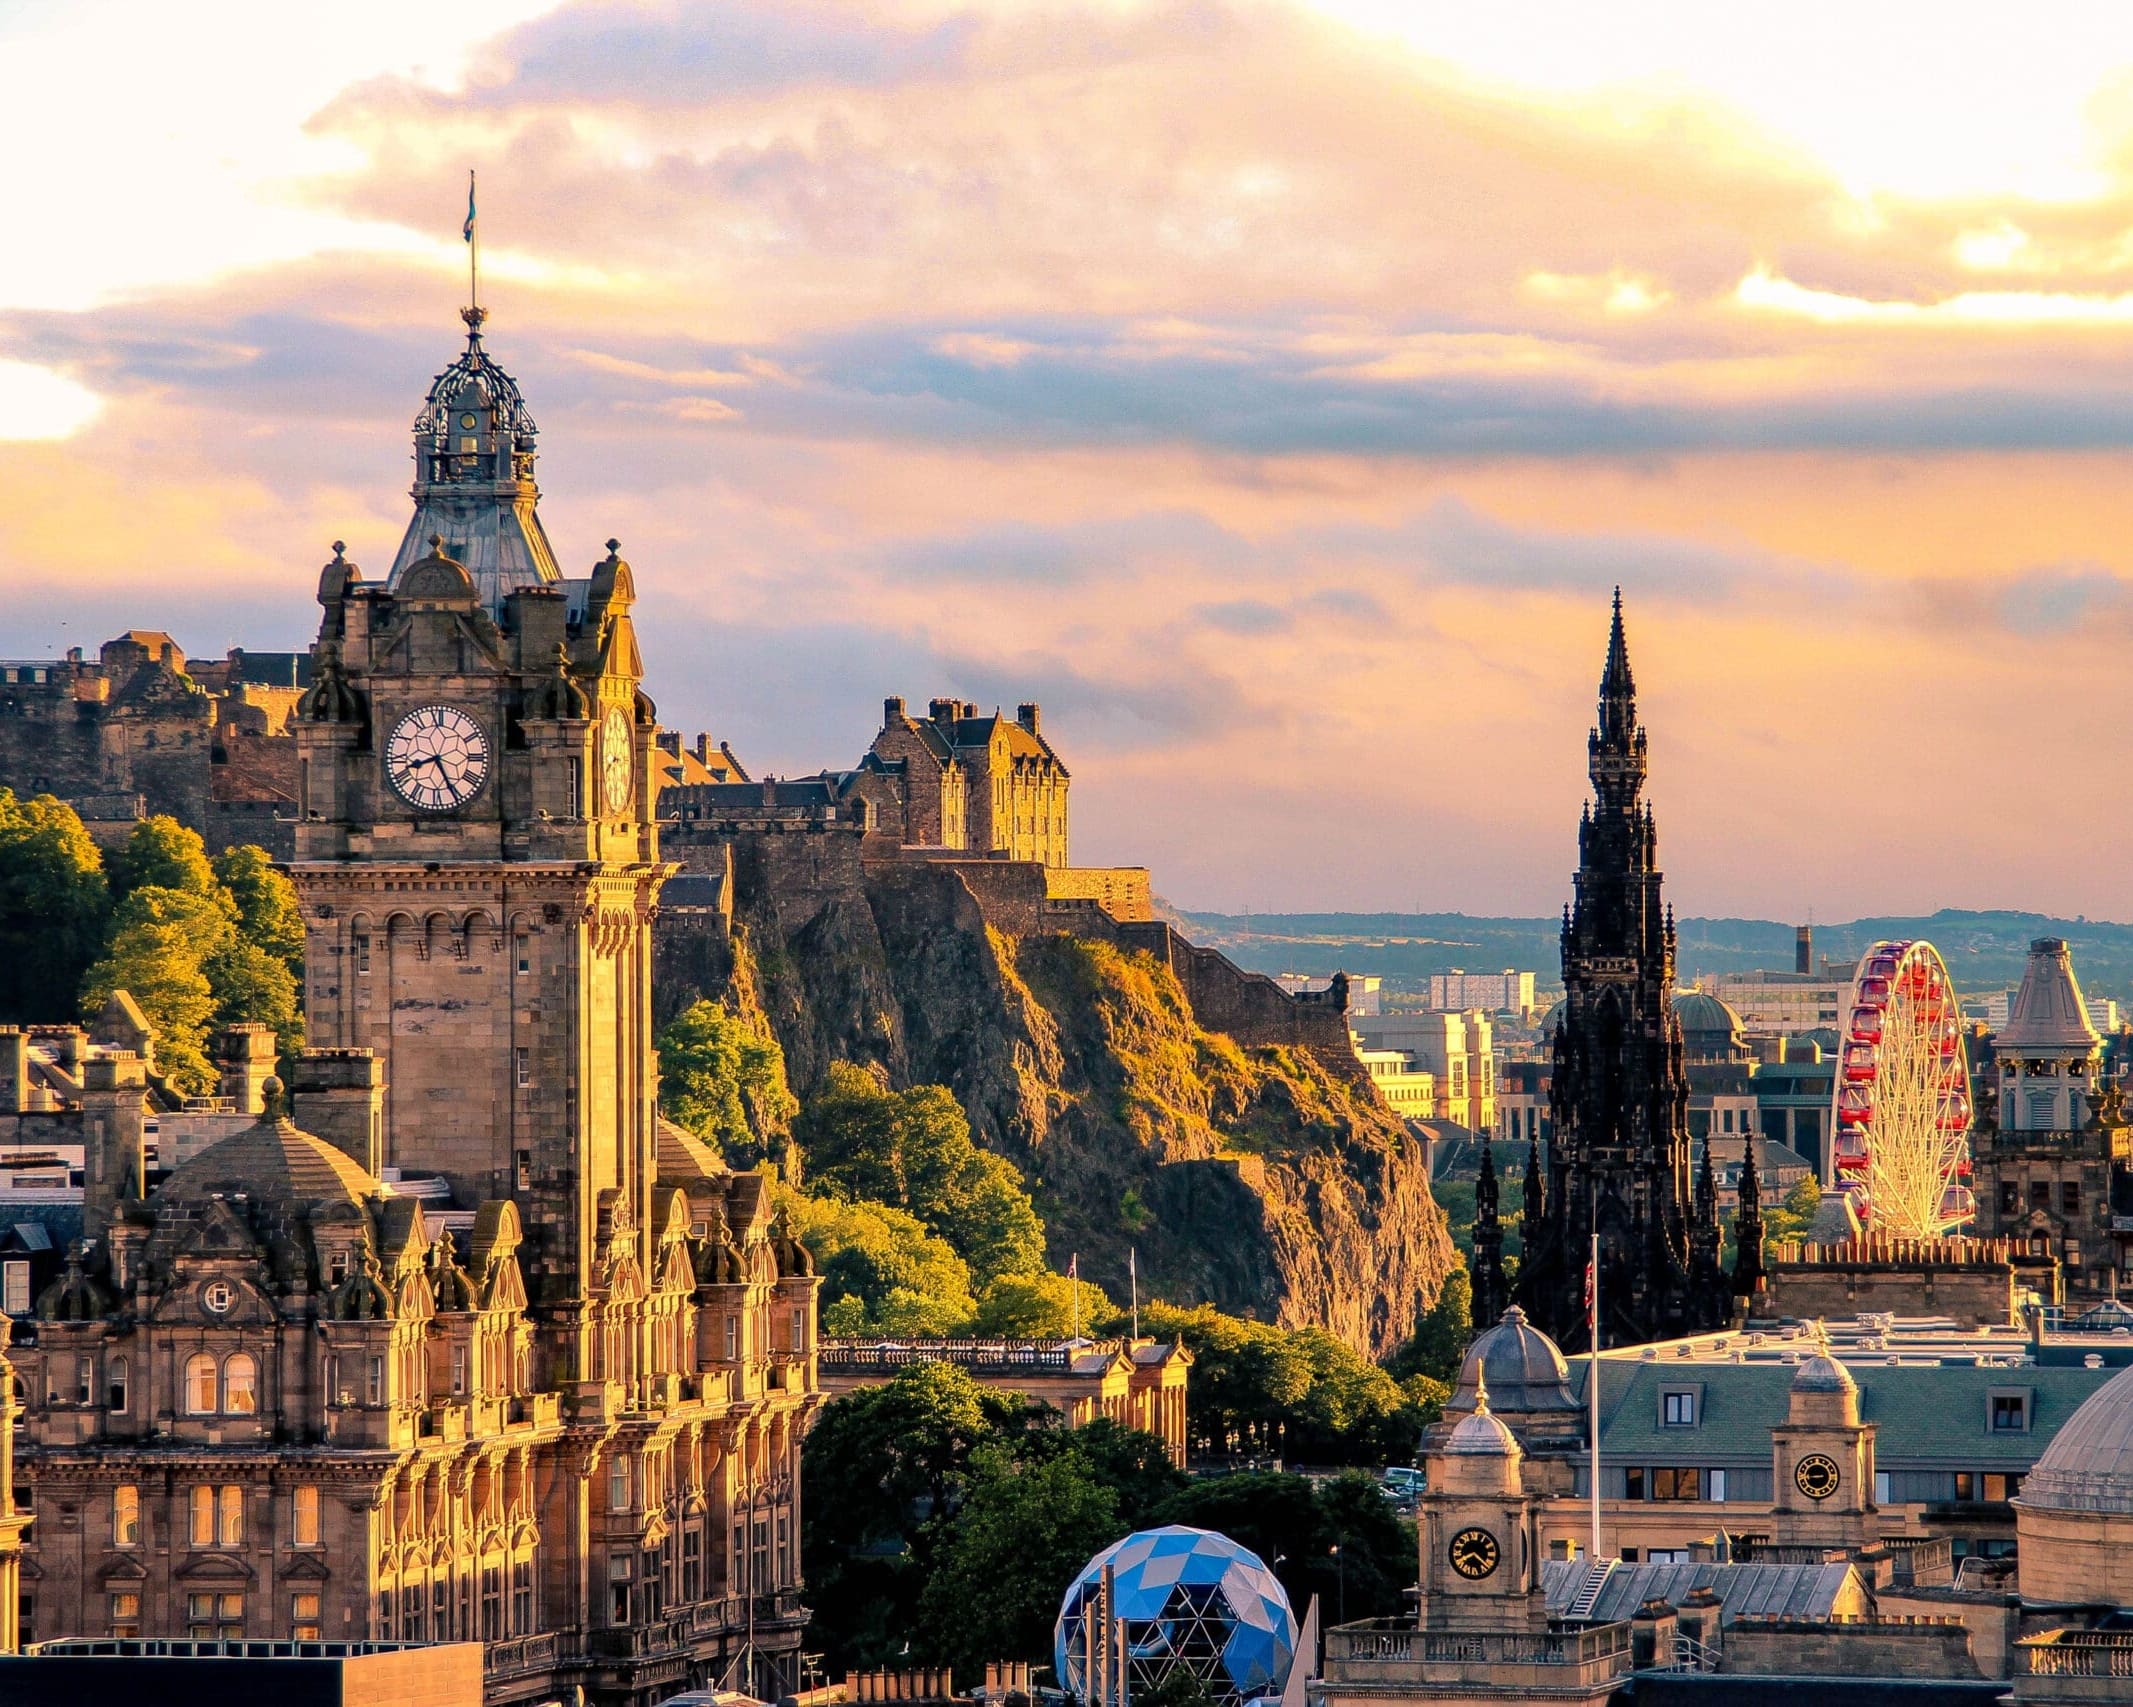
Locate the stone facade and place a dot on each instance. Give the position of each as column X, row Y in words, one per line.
column 956, row 779
column 545, row 1392
column 142, row 730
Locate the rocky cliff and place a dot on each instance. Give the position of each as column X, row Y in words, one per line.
column 1264, row 1180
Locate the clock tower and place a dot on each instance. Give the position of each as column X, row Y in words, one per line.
column 1822, row 1462
column 476, row 856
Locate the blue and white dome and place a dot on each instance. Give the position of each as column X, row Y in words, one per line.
column 1189, row 1598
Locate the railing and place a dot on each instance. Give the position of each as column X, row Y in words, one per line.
column 1385, row 1643
column 2076, row 1653
column 521, row 1654
column 965, row 1353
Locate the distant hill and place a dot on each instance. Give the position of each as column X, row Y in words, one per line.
column 1984, row 951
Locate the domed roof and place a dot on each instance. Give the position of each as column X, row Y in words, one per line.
column 1822, row 1373
column 272, row 1160
column 2089, row 1464
column 1514, row 1367
column 1698, row 1010
column 1482, row 1435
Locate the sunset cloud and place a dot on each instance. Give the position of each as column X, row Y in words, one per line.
column 1275, row 391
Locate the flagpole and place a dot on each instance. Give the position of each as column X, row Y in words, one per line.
column 1133, row 1275
column 473, row 247
column 1074, row 1290
column 1595, row 1344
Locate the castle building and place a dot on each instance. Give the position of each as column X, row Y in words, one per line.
column 2052, row 1149
column 545, row 1390
column 982, row 784
column 1619, row 1167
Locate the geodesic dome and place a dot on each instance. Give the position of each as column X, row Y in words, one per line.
column 1190, row 1598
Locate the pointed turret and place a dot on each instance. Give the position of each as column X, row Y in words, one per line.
column 1489, row 1291
column 474, row 487
column 1748, row 1229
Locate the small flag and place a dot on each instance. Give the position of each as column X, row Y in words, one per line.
column 1588, row 1286
column 467, row 232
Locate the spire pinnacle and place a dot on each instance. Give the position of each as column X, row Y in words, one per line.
column 1617, row 683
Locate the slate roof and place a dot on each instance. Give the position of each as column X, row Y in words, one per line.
column 1753, row 1590
column 1928, row 1416
column 2047, row 1011
column 276, row 1162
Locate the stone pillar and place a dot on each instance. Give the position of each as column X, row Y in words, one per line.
column 339, row 1095
column 114, row 1114
column 247, row 1064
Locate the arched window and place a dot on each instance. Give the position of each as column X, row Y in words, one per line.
column 240, row 1390
column 200, row 1385
column 202, row 1503
column 230, row 1528
column 126, row 1515
column 115, row 1384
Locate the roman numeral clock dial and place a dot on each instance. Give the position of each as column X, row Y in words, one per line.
column 437, row 758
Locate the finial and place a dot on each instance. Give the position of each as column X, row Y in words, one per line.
column 1618, row 598
column 1481, row 1391
column 340, row 549
column 474, row 318
column 614, row 548
column 436, row 545
column 272, row 1110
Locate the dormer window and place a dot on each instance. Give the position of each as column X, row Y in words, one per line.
column 2007, row 1411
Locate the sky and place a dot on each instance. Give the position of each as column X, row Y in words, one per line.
column 1273, row 391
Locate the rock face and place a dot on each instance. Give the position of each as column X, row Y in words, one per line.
column 1269, row 1181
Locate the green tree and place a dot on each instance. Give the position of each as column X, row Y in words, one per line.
column 161, row 853
column 268, row 916
column 1039, row 1306
column 1296, row 1527
column 721, row 1081
column 55, row 907
column 254, row 987
column 1792, row 1218
column 1006, row 1557
column 881, row 1270
column 1438, row 1345
column 912, row 1149
column 158, row 963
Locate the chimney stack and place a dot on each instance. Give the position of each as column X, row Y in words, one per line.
column 1027, row 715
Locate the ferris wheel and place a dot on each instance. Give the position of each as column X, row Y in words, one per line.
column 1902, row 1148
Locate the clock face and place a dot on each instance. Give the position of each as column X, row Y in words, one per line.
column 218, row 1296
column 1474, row 1554
column 615, row 759
column 437, row 758
column 468, row 422
column 1816, row 1476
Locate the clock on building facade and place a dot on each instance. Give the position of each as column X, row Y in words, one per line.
column 1474, row 1554
column 1817, row 1476
column 437, row 758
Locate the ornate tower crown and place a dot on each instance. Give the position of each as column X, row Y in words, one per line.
column 1616, row 758
column 474, row 483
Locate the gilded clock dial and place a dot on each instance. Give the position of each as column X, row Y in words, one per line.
column 437, row 758
column 1817, row 1476
column 616, row 759
column 1474, row 1554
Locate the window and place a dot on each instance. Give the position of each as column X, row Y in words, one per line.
column 239, row 1385
column 1714, row 1485
column 126, row 1615
column 303, row 1617
column 229, row 1516
column 2010, row 1197
column 522, row 1598
column 2010, row 1413
column 200, row 1385
column 525, row 1170
column 203, row 1515
column 115, row 1385
column 376, row 1381
column 459, row 1370
column 125, row 1515
column 692, row 1563
column 525, row 955
column 1677, row 1410
column 618, row 1483
column 2040, row 1194
column 440, row 1608
column 1633, row 1483
column 214, row 1617
column 1881, row 1487
column 799, row 1327
column 15, row 1288
column 2070, row 1197
column 733, row 1339
column 84, row 1381
column 303, row 1527
column 1669, row 1483
column 362, row 957
column 619, row 1571
column 523, row 1060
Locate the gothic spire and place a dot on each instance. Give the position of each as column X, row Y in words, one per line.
column 1488, row 1278
column 1748, row 1228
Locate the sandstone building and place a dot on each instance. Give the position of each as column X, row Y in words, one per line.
column 544, row 1391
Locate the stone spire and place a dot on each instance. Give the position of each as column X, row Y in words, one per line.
column 1490, row 1294
column 1620, row 1163
column 474, row 487
column 1748, row 1228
